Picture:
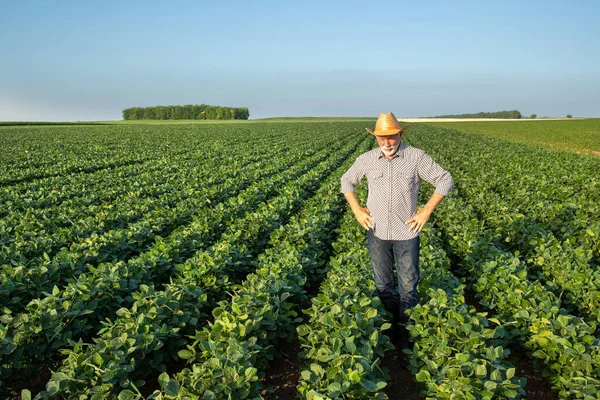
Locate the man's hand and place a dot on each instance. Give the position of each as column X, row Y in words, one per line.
column 363, row 216
column 419, row 220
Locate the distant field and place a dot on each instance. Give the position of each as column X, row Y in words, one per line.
column 581, row 135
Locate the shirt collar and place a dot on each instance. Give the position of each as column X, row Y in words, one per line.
column 399, row 152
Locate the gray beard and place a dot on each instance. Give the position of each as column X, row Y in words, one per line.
column 389, row 152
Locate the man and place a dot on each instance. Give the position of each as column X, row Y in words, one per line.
column 394, row 172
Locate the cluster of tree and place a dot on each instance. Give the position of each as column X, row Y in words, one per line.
column 513, row 114
column 202, row 111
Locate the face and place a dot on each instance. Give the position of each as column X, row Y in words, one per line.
column 389, row 144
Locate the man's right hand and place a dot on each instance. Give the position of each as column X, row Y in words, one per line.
column 363, row 216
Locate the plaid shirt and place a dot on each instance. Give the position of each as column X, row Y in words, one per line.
column 394, row 187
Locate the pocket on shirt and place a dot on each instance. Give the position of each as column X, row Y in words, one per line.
column 407, row 180
column 374, row 175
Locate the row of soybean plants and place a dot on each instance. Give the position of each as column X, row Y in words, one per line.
column 25, row 277
column 566, row 269
column 456, row 352
column 154, row 328
column 48, row 151
column 228, row 358
column 557, row 189
column 562, row 345
column 566, row 265
column 71, row 201
column 76, row 311
column 32, row 209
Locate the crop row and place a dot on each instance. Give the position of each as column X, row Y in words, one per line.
column 564, row 345
column 558, row 190
column 24, row 282
column 230, row 355
column 566, row 269
column 160, row 319
column 478, row 226
column 97, row 200
column 75, row 311
column 37, row 153
column 36, row 232
column 456, row 353
column 567, row 266
column 343, row 340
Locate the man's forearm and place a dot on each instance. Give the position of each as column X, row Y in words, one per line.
column 352, row 201
column 433, row 202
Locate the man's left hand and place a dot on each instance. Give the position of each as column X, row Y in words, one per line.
column 417, row 222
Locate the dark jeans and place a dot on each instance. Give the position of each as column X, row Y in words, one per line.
column 405, row 254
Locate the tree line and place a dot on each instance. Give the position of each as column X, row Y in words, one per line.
column 201, row 111
column 513, row 114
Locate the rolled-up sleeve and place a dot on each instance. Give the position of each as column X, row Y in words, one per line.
column 352, row 177
column 436, row 175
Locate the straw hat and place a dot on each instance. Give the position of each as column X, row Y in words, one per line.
column 387, row 125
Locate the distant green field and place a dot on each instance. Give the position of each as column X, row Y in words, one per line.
column 581, row 136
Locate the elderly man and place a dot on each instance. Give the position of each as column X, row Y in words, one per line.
column 394, row 172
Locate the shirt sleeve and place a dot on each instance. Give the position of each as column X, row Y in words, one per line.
column 352, row 177
column 430, row 171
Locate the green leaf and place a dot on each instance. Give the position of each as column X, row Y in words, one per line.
column 481, row 371
column 334, row 387
column 350, row 346
column 250, row 372
column 172, row 388
column 302, row 330
column 98, row 359
column 305, row 374
column 423, row 376
column 496, row 376
column 368, row 386
column 490, row 385
column 209, row 395
column 510, row 373
column 126, row 395
column 354, row 376
column 121, row 312
column 163, row 379
column 184, row 354
column 26, row 394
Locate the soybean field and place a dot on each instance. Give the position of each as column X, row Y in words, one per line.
column 177, row 261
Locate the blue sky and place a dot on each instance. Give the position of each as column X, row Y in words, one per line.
column 88, row 60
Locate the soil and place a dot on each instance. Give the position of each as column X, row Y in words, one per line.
column 35, row 383
column 537, row 387
column 283, row 374
column 402, row 385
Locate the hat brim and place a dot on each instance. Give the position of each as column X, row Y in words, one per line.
column 387, row 132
